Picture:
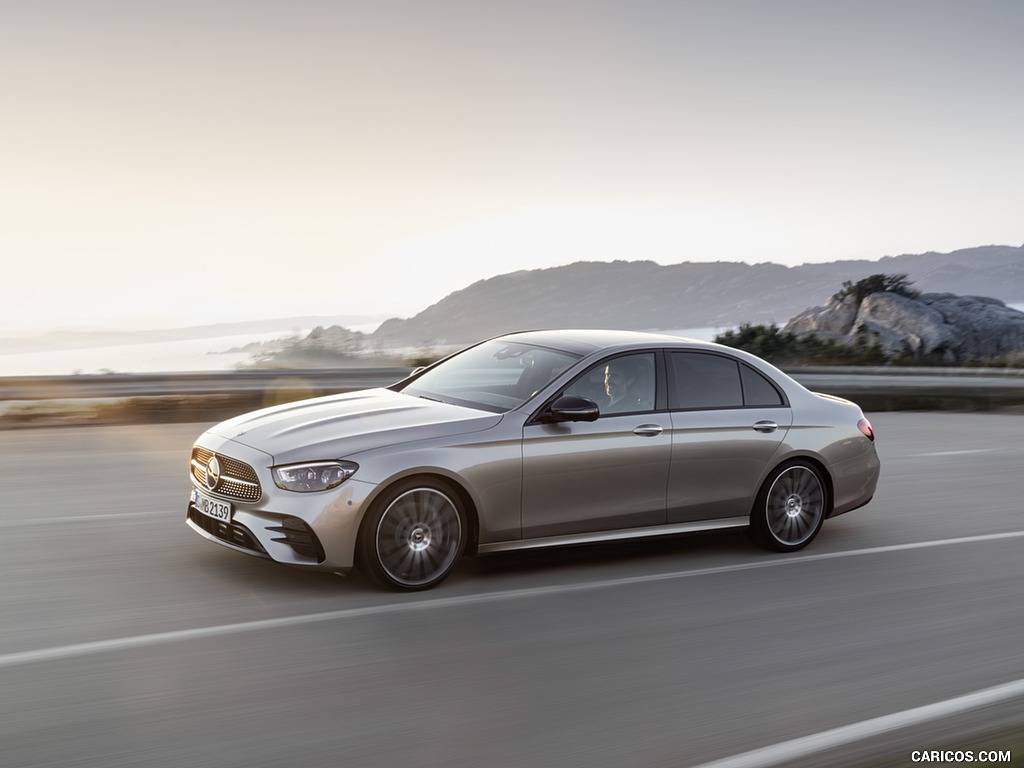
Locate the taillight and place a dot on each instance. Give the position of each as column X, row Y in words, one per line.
column 865, row 427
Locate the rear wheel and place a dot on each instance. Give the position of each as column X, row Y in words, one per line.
column 414, row 536
column 790, row 508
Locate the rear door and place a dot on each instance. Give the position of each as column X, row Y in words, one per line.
column 728, row 422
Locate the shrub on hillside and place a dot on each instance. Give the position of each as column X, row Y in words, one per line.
column 898, row 284
column 768, row 342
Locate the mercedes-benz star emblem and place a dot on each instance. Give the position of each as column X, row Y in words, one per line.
column 212, row 473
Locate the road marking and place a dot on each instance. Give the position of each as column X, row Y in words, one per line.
column 81, row 519
column 964, row 452
column 787, row 751
column 418, row 604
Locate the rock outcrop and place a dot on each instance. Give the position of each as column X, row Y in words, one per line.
column 932, row 327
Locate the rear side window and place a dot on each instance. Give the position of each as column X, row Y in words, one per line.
column 713, row 381
column 705, row 381
column 757, row 390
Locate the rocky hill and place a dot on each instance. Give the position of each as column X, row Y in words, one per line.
column 940, row 328
column 644, row 295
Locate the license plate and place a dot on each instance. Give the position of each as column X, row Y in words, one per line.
column 218, row 510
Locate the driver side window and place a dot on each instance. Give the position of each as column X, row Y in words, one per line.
column 619, row 385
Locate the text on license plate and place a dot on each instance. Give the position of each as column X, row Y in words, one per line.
column 218, row 510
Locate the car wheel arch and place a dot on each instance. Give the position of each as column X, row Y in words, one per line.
column 469, row 505
column 808, row 458
column 758, row 530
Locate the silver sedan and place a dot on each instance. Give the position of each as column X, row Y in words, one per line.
column 534, row 439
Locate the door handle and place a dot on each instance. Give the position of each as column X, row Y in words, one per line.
column 648, row 430
column 764, row 426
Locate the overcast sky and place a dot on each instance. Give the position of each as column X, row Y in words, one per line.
column 170, row 163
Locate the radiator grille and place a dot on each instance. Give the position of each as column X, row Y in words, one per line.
column 237, row 479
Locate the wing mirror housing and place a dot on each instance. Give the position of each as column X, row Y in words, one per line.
column 574, row 408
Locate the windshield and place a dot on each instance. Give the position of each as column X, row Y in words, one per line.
column 494, row 376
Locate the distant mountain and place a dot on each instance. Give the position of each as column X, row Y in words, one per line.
column 643, row 295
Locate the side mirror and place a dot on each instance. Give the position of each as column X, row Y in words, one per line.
column 574, row 408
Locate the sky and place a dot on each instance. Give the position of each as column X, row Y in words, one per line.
column 181, row 163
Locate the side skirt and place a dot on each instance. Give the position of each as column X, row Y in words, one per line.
column 617, row 535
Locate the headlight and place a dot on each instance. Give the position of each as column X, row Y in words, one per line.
column 318, row 476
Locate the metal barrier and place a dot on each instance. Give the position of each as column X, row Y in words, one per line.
column 160, row 384
column 29, row 401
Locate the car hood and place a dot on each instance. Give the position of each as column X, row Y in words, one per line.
column 343, row 425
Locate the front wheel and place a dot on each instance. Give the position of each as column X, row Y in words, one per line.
column 414, row 536
column 790, row 508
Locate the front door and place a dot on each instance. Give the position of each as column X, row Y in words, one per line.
column 612, row 473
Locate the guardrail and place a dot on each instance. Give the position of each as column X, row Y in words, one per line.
column 118, row 385
column 172, row 397
column 121, row 398
column 902, row 389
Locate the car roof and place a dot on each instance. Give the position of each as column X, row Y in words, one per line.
column 586, row 341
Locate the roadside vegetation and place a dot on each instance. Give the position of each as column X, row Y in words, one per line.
column 786, row 349
column 778, row 348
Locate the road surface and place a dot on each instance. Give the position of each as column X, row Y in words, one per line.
column 127, row 640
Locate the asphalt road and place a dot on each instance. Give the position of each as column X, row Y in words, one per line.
column 127, row 640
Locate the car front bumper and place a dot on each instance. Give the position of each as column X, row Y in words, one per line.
column 310, row 530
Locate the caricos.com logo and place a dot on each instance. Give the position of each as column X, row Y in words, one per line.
column 960, row 756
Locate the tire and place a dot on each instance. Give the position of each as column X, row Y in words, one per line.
column 414, row 535
column 790, row 508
